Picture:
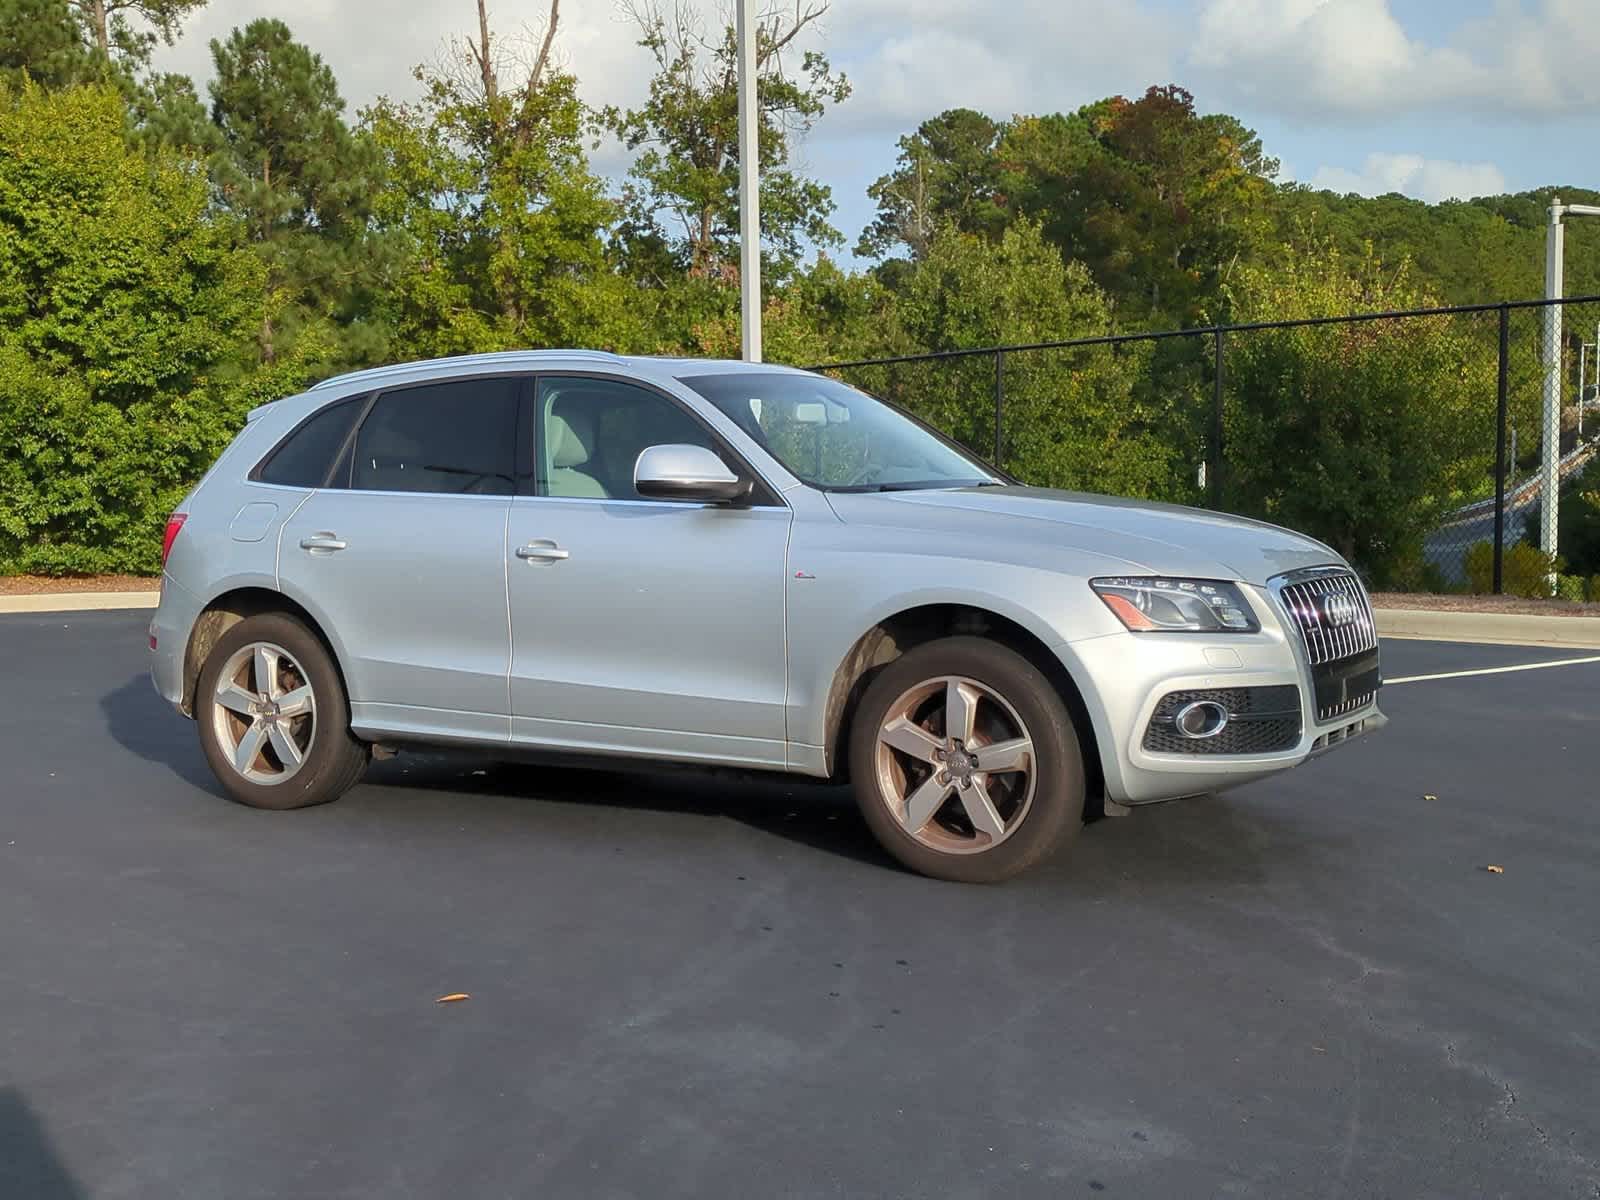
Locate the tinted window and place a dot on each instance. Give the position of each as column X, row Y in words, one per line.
column 441, row 437
column 592, row 430
column 303, row 458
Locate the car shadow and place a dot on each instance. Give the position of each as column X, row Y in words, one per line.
column 1218, row 840
column 141, row 722
column 29, row 1162
column 815, row 814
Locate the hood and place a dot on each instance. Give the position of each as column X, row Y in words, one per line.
column 1151, row 538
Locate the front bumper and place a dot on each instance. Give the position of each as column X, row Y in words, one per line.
column 1128, row 674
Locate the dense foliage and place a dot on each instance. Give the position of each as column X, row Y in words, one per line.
column 1325, row 425
column 168, row 260
column 121, row 305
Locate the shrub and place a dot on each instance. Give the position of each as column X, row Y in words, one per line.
column 1577, row 522
column 119, row 298
column 1526, row 570
column 1570, row 587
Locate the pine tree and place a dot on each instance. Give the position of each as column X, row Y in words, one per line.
column 295, row 174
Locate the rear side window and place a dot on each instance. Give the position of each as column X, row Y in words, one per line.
column 457, row 437
column 304, row 458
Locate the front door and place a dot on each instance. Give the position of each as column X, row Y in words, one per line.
column 404, row 557
column 641, row 626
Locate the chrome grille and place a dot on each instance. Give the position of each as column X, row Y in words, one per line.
column 1309, row 595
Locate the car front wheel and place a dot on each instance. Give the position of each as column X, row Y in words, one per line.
column 273, row 717
column 965, row 762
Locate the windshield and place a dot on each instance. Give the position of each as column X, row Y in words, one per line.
column 835, row 438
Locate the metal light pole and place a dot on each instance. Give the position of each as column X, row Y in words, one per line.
column 1554, row 251
column 749, row 185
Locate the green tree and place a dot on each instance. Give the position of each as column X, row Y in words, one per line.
column 1361, row 434
column 500, row 220
column 681, row 201
column 1158, row 200
column 165, row 110
column 126, row 32
column 39, row 39
column 297, row 177
column 1071, row 416
column 947, row 173
column 121, row 302
column 1465, row 251
column 821, row 314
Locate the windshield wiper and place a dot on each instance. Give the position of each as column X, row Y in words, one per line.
column 914, row 485
column 930, row 484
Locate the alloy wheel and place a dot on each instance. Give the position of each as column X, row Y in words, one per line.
column 264, row 713
column 955, row 765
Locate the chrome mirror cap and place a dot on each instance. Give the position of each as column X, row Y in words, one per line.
column 682, row 472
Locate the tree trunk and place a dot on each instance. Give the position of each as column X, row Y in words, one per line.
column 700, row 256
column 97, row 13
column 491, row 85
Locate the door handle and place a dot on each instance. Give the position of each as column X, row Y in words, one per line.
column 322, row 541
column 542, row 552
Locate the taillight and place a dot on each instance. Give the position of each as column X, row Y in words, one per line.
column 174, row 523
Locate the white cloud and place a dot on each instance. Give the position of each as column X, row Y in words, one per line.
column 906, row 59
column 373, row 47
column 1430, row 179
column 910, row 59
column 1354, row 58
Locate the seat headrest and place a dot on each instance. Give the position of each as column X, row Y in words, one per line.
column 571, row 435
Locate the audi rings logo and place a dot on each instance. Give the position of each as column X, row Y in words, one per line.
column 1339, row 611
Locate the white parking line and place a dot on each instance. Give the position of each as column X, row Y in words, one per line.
column 1538, row 666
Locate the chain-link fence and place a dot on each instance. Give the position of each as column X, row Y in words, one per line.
column 1412, row 442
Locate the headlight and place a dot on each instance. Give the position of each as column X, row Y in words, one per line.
column 1146, row 603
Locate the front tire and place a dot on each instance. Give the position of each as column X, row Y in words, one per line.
column 965, row 762
column 273, row 716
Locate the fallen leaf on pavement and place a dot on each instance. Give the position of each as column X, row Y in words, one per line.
column 1427, row 797
column 1494, row 870
column 454, row 996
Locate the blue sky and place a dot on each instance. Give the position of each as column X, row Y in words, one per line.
column 1431, row 98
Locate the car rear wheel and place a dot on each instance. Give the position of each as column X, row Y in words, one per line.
column 965, row 762
column 273, row 716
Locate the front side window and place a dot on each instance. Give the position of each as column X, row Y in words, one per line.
column 591, row 432
column 833, row 437
column 455, row 437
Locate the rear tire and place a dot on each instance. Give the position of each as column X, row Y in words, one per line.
column 274, row 718
column 965, row 762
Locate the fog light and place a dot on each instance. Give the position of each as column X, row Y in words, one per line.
column 1201, row 719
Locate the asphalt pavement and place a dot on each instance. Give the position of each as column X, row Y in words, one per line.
column 698, row 985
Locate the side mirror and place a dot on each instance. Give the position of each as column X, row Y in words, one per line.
column 680, row 472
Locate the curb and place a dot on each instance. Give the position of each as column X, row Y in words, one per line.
column 1504, row 629
column 54, row 602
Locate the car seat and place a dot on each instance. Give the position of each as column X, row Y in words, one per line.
column 569, row 440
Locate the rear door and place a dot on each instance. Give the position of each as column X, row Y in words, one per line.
column 403, row 557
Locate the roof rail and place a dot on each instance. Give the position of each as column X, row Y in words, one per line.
column 507, row 357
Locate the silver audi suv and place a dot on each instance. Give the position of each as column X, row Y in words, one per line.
column 742, row 565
